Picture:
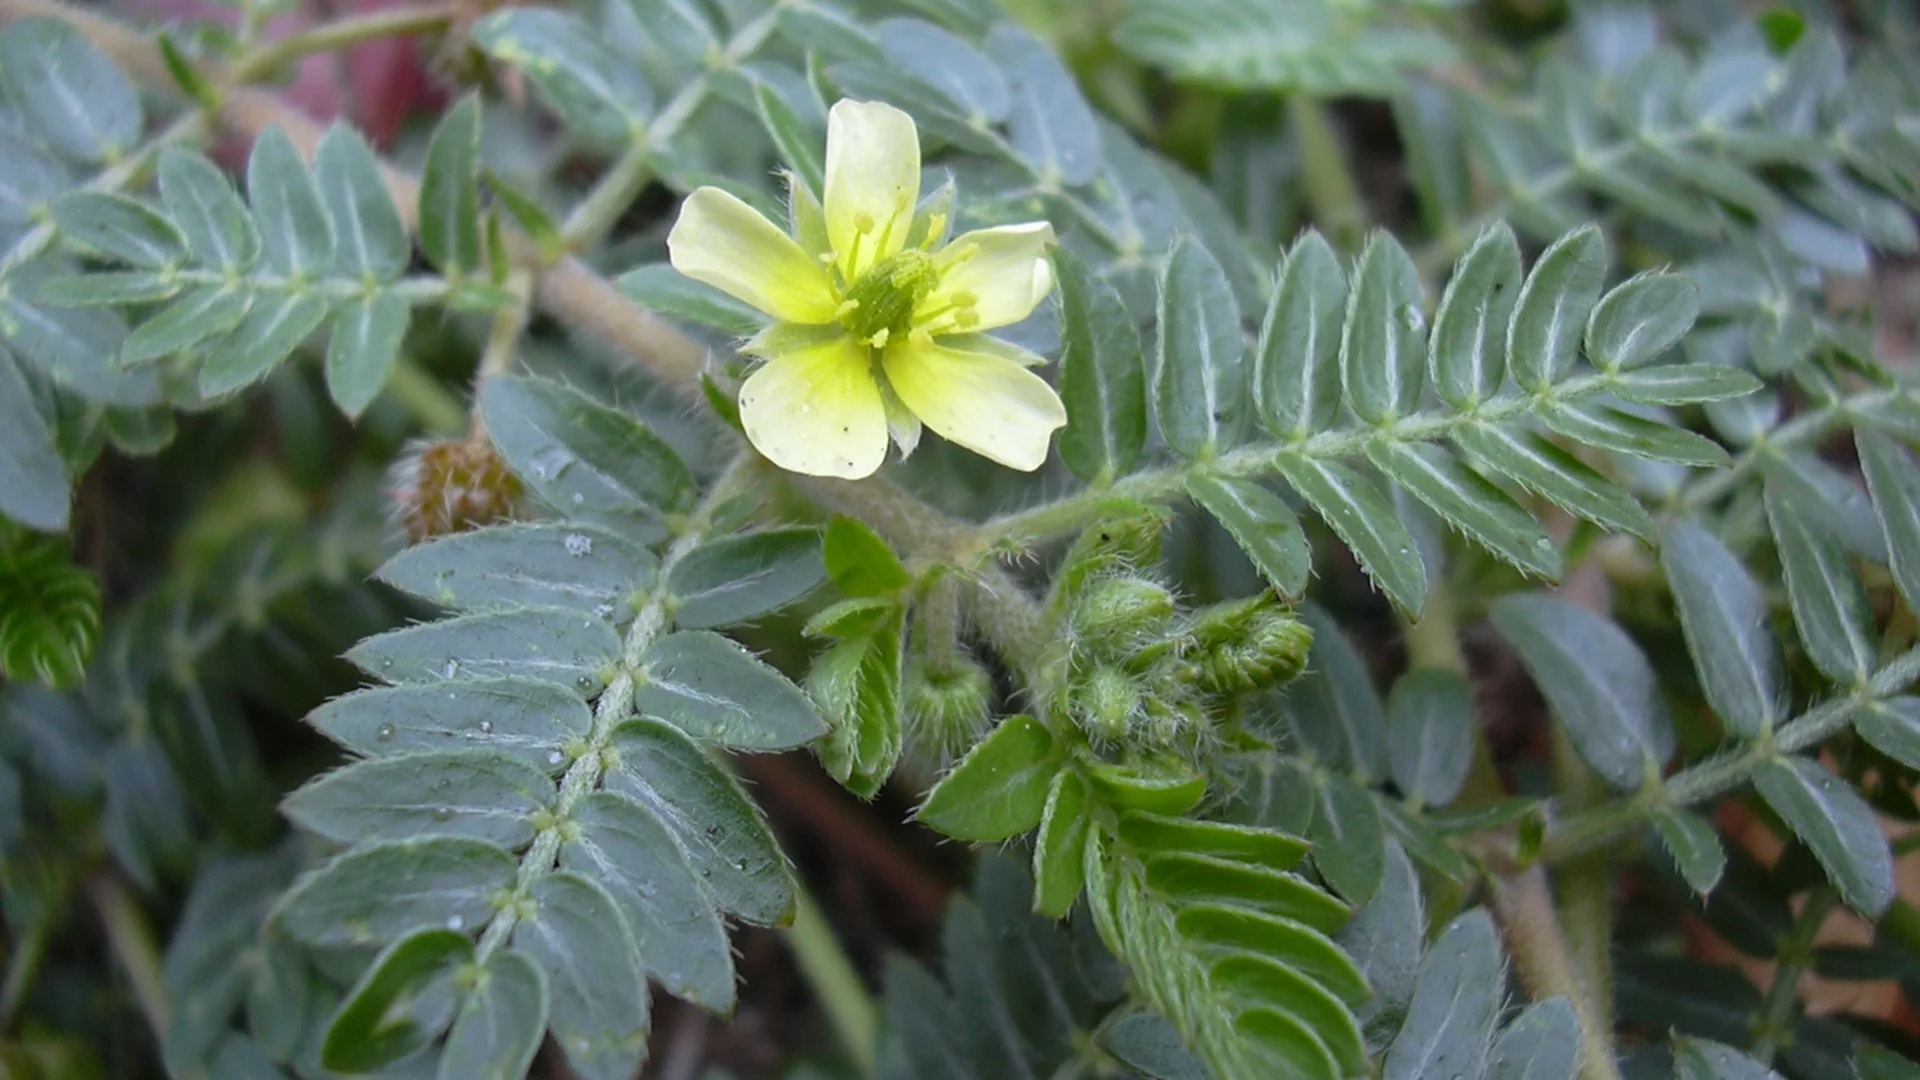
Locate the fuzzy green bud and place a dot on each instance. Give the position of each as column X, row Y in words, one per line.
column 1107, row 702
column 1245, row 645
column 948, row 705
column 1114, row 612
column 1127, row 541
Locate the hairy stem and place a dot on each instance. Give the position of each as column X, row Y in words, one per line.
column 1584, row 887
column 826, row 968
column 426, row 399
column 341, row 33
column 597, row 214
column 132, row 942
column 1774, row 1029
column 614, row 705
column 1586, row 830
column 1527, row 921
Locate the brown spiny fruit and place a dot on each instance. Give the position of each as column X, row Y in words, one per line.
column 448, row 486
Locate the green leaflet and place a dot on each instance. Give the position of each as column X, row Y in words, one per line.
column 1349, row 844
column 1597, row 680
column 1429, row 735
column 1355, row 509
column 715, row 691
column 273, row 327
column 1895, row 486
column 1059, row 848
column 1468, row 351
column 294, row 228
column 1542, row 1043
column 406, row 998
column 480, row 794
column 202, row 203
column 1694, row 846
column 531, row 720
column 1102, row 381
column 1639, row 320
column 590, row 462
column 370, row 240
column 552, row 565
column 380, row 892
column 1199, row 381
column 1455, row 1001
column 1558, row 296
column 71, row 94
column 1261, row 523
column 551, row 645
column 450, row 191
column 594, row 90
column 680, row 939
column 125, row 228
column 500, row 1024
column 999, row 790
column 578, row 936
column 49, row 609
column 365, row 343
column 744, row 576
column 727, row 844
column 661, row 288
column 1470, row 503
column 1831, row 818
column 1725, row 619
column 1296, row 376
column 1383, row 341
column 33, row 479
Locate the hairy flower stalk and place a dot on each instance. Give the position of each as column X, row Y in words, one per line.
column 879, row 320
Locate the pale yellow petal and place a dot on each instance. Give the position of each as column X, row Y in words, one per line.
column 724, row 242
column 817, row 411
column 980, row 400
column 988, row 278
column 872, row 182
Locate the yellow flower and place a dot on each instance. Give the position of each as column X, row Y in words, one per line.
column 878, row 323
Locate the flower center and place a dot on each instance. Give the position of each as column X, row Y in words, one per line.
column 880, row 305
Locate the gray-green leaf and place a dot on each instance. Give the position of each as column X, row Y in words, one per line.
column 1555, row 475
column 1296, row 379
column 500, row 1024
column 1542, row 1043
column 598, row 1009
column 1640, row 319
column 552, row 645
column 533, row 721
column 682, row 941
column 219, row 230
column 742, row 577
column 1893, row 727
column 1894, row 482
column 717, row 692
column 590, row 462
column 370, row 239
column 377, row 893
column 403, row 1001
column 1597, row 680
column 725, row 840
column 1695, row 848
column 1725, row 620
column 1553, row 308
column 1102, row 381
column 1455, row 1001
column 1383, row 340
column 72, row 94
column 450, row 191
column 1349, row 844
column 545, row 564
column 1261, row 523
column 1831, row 818
column 1471, row 503
column 33, row 480
column 1198, row 377
column 1365, row 521
column 481, row 794
column 1430, row 732
column 1468, row 353
column 366, row 339
column 123, row 227
column 286, row 204
column 274, row 326
column 597, row 92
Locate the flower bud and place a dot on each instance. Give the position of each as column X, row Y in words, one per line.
column 1112, row 613
column 1246, row 645
column 1107, row 703
column 949, row 705
column 1128, row 541
column 448, row 486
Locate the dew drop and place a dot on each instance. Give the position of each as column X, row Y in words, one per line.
column 384, row 734
column 387, row 663
column 456, row 922
column 486, row 727
column 1413, row 318
column 443, row 813
column 578, row 498
column 578, row 544
column 1543, row 544
column 603, row 610
column 452, row 669
column 554, row 757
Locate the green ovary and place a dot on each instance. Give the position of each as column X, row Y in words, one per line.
column 883, row 300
